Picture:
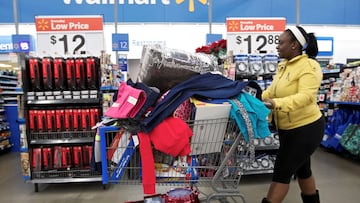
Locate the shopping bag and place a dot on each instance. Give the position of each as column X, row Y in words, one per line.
column 350, row 139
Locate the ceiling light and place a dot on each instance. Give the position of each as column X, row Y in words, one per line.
column 2, row 65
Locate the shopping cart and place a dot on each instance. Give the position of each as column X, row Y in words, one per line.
column 214, row 168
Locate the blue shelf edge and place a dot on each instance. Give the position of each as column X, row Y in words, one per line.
column 343, row 103
column 108, row 88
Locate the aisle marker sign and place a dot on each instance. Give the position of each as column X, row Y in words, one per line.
column 69, row 35
column 254, row 35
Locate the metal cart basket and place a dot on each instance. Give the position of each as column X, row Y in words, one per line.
column 219, row 154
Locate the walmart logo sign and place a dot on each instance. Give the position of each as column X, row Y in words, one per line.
column 191, row 4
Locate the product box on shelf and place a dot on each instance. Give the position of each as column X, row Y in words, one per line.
column 32, row 120
column 69, row 119
column 34, row 70
column 51, row 120
column 66, row 160
column 87, row 155
column 59, row 74
column 36, row 163
column 70, row 73
column 57, row 157
column 60, row 119
column 47, row 73
column 47, row 158
column 94, row 116
column 91, row 72
column 80, row 73
column 42, row 123
column 77, row 119
column 85, row 119
column 77, row 156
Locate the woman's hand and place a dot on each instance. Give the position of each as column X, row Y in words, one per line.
column 269, row 103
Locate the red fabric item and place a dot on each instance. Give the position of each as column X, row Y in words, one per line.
column 148, row 165
column 171, row 136
column 184, row 110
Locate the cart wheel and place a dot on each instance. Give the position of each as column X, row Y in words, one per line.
column 105, row 186
column 36, row 187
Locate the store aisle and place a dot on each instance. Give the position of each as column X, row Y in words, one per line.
column 338, row 180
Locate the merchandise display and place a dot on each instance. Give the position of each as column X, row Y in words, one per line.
column 175, row 124
column 254, row 66
column 9, row 91
column 339, row 98
column 62, row 103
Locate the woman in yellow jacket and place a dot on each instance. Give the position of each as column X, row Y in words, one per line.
column 292, row 97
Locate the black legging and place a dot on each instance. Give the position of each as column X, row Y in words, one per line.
column 296, row 147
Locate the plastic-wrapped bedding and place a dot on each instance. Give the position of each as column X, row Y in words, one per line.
column 164, row 67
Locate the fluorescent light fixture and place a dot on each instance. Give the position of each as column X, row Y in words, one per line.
column 2, row 65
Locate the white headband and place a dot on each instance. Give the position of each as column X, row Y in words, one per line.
column 299, row 36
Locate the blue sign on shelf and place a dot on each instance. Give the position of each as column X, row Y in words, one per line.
column 6, row 45
column 23, row 43
column 326, row 46
column 210, row 38
column 120, row 42
column 122, row 63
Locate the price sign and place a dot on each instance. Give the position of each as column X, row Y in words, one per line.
column 254, row 35
column 120, row 42
column 69, row 35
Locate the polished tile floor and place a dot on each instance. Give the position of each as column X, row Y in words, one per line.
column 338, row 180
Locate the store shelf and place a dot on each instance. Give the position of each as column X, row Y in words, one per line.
column 67, row 180
column 5, row 147
column 3, row 82
column 64, row 101
column 108, row 88
column 63, row 141
column 4, row 138
column 9, row 77
column 344, row 103
column 65, row 176
column 330, row 71
column 11, row 93
column 55, row 138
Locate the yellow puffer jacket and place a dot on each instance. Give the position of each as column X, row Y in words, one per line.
column 294, row 90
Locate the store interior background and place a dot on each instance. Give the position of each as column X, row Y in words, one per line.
column 188, row 37
column 174, row 26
